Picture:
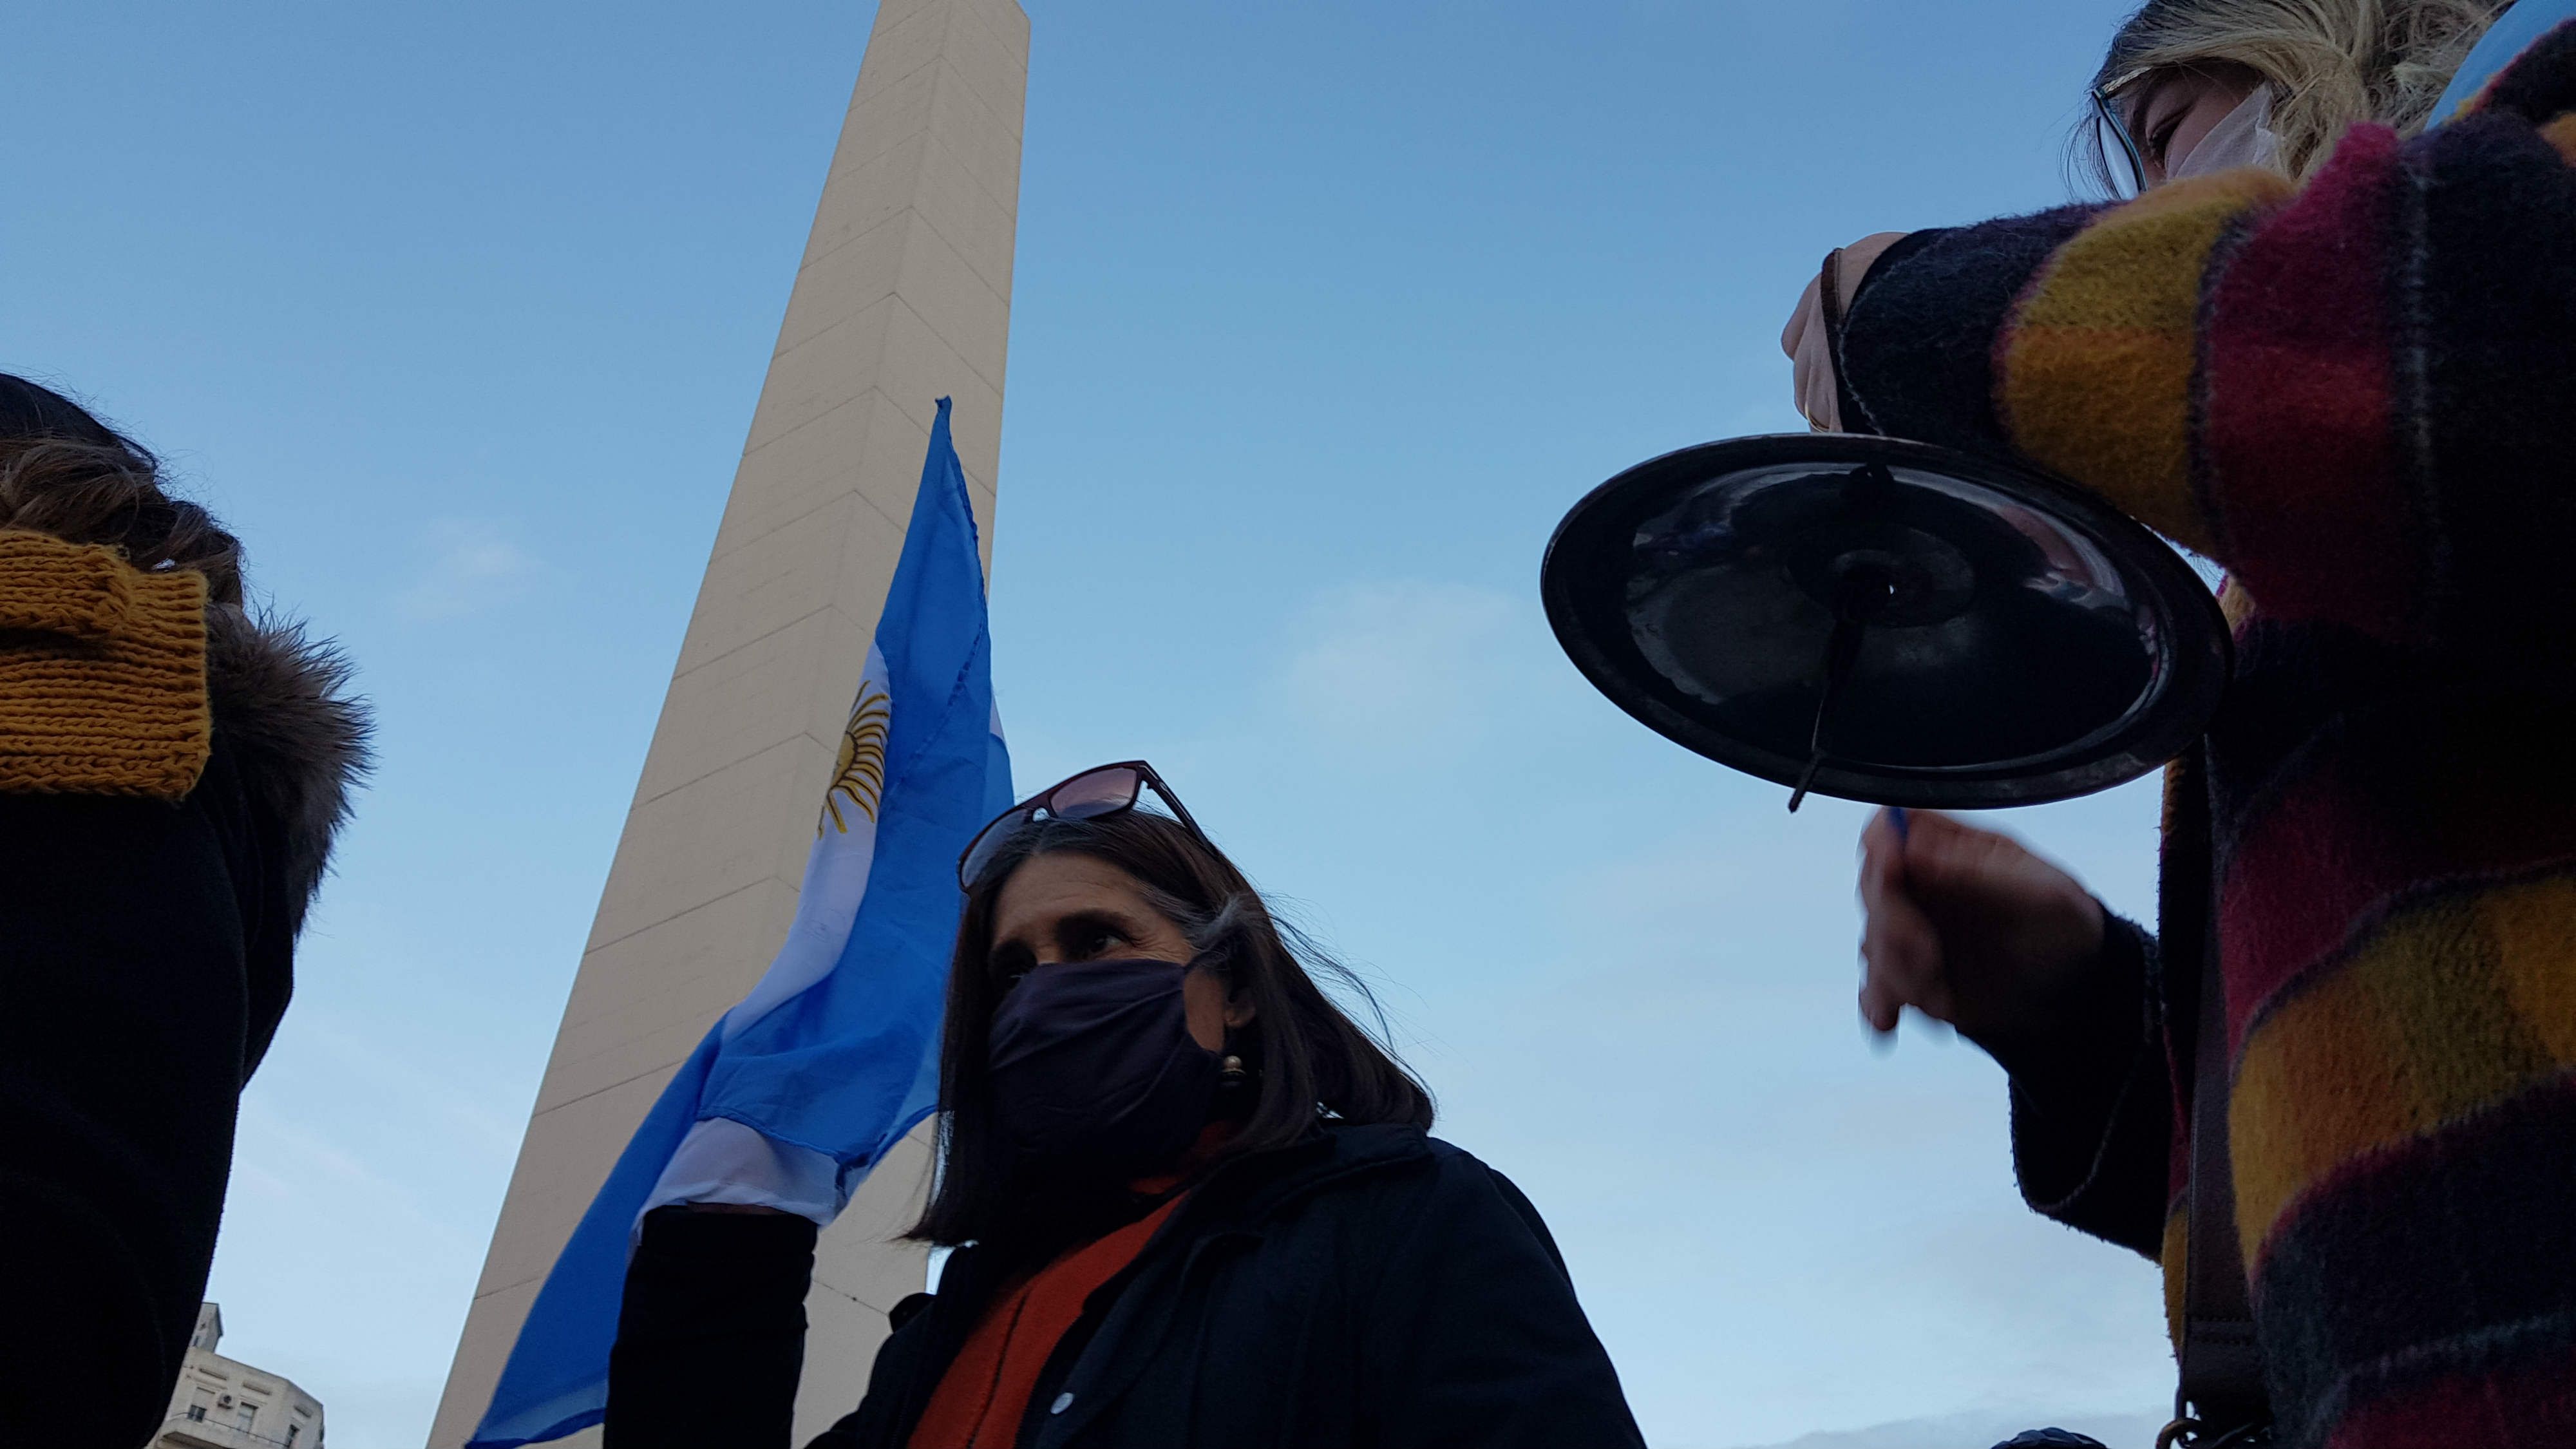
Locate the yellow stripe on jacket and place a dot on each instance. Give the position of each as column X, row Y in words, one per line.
column 2448, row 1007
column 2096, row 378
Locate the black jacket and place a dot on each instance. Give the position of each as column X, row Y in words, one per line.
column 146, row 955
column 1369, row 1286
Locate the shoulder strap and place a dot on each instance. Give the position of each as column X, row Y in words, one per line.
column 2222, row 1366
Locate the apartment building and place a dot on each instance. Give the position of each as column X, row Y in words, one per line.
column 222, row 1403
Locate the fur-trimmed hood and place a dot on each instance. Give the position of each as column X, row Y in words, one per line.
column 301, row 743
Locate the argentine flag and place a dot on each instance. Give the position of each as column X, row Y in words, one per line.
column 834, row 1056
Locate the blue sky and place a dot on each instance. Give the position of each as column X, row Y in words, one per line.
column 1324, row 313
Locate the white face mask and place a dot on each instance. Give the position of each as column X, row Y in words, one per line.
column 2242, row 138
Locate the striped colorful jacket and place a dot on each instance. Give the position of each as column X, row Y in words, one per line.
column 2359, row 395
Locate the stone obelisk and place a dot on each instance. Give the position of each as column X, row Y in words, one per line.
column 903, row 297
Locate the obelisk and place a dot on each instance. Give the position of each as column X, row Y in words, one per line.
column 903, row 297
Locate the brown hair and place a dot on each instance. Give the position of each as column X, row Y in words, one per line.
column 1309, row 1060
column 65, row 473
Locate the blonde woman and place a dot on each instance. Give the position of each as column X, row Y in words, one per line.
column 2334, row 352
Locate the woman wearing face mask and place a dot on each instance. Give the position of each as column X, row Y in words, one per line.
column 1192, row 1203
column 2336, row 356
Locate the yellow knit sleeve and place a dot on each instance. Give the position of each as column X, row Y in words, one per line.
column 102, row 672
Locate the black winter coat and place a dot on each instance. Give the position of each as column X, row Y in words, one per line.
column 146, row 955
column 1370, row 1286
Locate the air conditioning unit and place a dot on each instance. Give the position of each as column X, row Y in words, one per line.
column 223, row 1401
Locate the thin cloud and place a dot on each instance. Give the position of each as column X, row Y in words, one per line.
column 472, row 567
column 1982, row 1427
column 1402, row 662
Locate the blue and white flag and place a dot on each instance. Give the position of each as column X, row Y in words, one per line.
column 834, row 1056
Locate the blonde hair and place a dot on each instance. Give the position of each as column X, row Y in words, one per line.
column 2332, row 63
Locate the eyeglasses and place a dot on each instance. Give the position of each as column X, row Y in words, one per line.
column 2107, row 120
column 1102, row 790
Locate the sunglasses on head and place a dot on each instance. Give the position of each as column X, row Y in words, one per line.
column 1101, row 790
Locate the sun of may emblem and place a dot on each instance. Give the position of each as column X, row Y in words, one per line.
column 860, row 776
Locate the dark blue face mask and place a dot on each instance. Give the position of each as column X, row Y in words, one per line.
column 1094, row 1061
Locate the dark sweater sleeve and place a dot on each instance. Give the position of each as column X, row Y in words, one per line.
column 711, row 1335
column 2350, row 392
column 1919, row 334
column 1473, row 1335
column 2092, row 1104
column 138, row 984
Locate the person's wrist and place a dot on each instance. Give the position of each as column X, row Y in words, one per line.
column 2065, row 1005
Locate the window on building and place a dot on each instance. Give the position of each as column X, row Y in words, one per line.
column 292, row 1430
column 246, row 1415
column 196, row 1413
column 199, row 1402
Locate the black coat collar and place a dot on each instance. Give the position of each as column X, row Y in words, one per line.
column 1236, row 1199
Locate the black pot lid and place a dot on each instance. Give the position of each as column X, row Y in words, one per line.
column 1886, row 621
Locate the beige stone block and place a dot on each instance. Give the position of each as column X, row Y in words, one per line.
column 859, row 1273
column 659, row 990
column 870, row 191
column 973, row 151
column 491, row 1327
column 882, row 116
column 844, row 282
column 841, row 1338
column 706, row 839
column 977, row 40
column 870, row 551
column 910, row 348
column 834, row 688
column 594, row 1059
column 788, row 478
column 954, row 301
column 1008, row 21
column 979, row 481
column 964, row 213
column 995, row 70
column 903, row 41
column 983, row 141
column 891, row 11
column 891, row 341
column 905, row 257
column 823, row 372
column 563, row 1160
column 938, row 100
column 709, row 942
column 741, row 703
column 797, row 683
column 862, row 1247
column 761, row 585
column 761, row 689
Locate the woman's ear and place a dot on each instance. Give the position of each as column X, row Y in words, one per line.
column 1239, row 1009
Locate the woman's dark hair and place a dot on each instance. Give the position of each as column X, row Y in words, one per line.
column 65, row 473
column 1308, row 1059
